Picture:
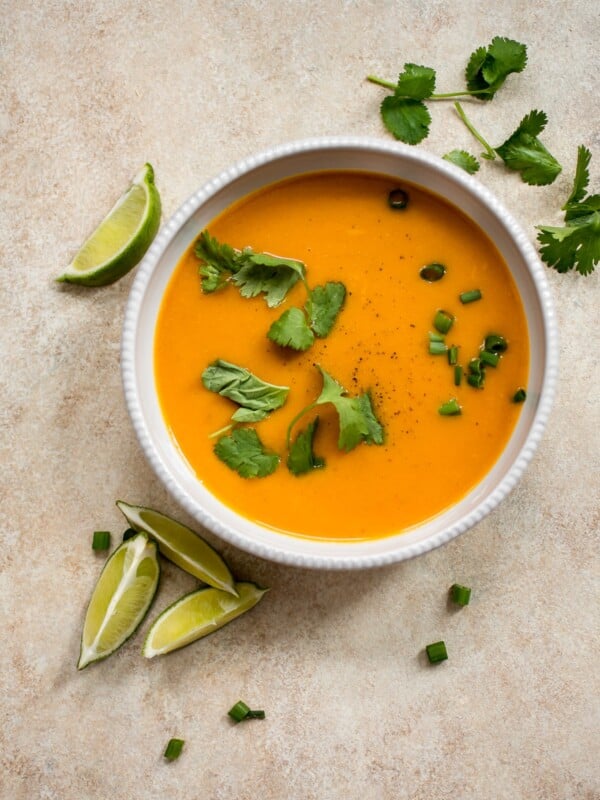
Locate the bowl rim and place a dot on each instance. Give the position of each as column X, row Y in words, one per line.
column 403, row 551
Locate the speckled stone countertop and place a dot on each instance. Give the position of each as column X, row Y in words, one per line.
column 91, row 90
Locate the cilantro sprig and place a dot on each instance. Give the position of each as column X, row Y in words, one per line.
column 301, row 457
column 404, row 112
column 272, row 276
column 522, row 151
column 576, row 245
column 357, row 420
column 244, row 452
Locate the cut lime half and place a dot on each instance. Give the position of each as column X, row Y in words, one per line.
column 181, row 545
column 120, row 599
column 122, row 238
column 196, row 615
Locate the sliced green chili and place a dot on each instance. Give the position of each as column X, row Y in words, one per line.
column 519, row 396
column 458, row 374
column 240, row 711
column 437, row 348
column 453, row 355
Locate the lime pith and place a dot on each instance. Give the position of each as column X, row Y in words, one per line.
column 120, row 241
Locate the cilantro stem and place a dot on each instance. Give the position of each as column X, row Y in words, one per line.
column 438, row 96
column 489, row 150
column 298, row 416
column 220, row 431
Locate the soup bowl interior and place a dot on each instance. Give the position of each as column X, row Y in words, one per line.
column 374, row 156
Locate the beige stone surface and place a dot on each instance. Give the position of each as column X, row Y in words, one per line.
column 88, row 92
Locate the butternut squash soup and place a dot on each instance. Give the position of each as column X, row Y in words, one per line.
column 437, row 402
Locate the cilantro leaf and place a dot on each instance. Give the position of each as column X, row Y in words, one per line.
column 244, row 388
column 463, row 160
column 576, row 245
column 267, row 274
column 292, row 330
column 324, row 305
column 243, row 452
column 488, row 67
column 407, row 120
column 416, row 82
column 582, row 177
column 524, row 152
column 357, row 419
column 301, row 457
column 220, row 260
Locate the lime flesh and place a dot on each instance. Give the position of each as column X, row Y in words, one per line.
column 196, row 615
column 181, row 545
column 122, row 238
column 120, row 600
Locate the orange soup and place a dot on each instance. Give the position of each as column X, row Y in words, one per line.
column 341, row 226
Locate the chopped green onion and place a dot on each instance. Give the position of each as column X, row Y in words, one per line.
column 491, row 359
column 174, row 748
column 436, row 337
column 460, row 595
column 443, row 321
column 494, row 343
column 476, row 381
column 240, row 711
column 436, row 652
column 453, row 355
column 432, row 272
column 519, row 396
column 458, row 373
column 398, row 199
column 101, row 540
column 451, row 408
column 471, row 296
column 437, row 348
column 476, row 366
column 129, row 533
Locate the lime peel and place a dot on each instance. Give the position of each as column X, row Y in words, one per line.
column 198, row 614
column 181, row 545
column 122, row 238
column 120, row 600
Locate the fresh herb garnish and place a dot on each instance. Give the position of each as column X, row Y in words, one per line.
column 272, row 276
column 489, row 66
column 405, row 114
column 301, row 458
column 253, row 273
column 576, row 245
column 357, row 419
column 244, row 452
column 245, row 389
column 292, row 330
column 463, row 160
column 323, row 306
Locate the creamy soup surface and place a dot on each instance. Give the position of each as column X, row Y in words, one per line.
column 341, row 226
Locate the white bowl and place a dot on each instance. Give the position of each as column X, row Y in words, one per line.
column 373, row 155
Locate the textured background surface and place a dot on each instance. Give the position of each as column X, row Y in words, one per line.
column 91, row 90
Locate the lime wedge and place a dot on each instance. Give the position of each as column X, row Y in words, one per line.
column 196, row 615
column 120, row 600
column 122, row 238
column 181, row 545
